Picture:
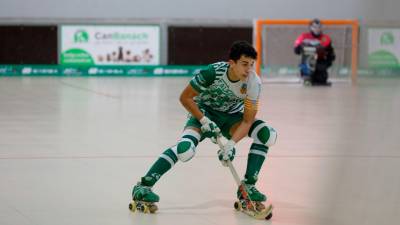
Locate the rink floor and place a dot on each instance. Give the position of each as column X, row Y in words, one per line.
column 72, row 148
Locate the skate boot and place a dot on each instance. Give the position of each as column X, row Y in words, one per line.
column 254, row 208
column 307, row 82
column 253, row 194
column 143, row 199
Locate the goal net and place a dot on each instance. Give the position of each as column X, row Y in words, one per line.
column 274, row 41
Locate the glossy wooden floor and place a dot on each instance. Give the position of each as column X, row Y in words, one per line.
column 72, row 148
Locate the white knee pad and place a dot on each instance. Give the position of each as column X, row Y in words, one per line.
column 185, row 152
column 263, row 134
column 186, row 147
column 272, row 137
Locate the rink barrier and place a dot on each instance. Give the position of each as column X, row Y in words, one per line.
column 62, row 70
column 138, row 71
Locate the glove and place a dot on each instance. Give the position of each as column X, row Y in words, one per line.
column 227, row 153
column 209, row 128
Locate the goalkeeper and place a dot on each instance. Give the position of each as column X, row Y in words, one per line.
column 223, row 98
column 314, row 66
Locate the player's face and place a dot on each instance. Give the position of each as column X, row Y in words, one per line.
column 241, row 68
column 316, row 29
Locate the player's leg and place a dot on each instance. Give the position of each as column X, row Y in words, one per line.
column 307, row 65
column 263, row 137
column 184, row 150
column 320, row 76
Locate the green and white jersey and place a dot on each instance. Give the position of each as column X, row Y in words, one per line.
column 221, row 94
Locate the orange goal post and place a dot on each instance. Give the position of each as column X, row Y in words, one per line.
column 274, row 41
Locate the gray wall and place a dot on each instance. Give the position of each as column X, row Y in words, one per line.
column 370, row 10
column 204, row 12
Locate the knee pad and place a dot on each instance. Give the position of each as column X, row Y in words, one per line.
column 262, row 134
column 185, row 150
column 186, row 147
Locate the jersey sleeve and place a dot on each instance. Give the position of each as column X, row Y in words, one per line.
column 298, row 44
column 299, row 40
column 253, row 93
column 203, row 79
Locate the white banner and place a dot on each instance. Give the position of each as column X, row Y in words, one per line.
column 110, row 45
column 383, row 47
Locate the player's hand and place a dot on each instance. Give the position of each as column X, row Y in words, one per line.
column 208, row 126
column 227, row 153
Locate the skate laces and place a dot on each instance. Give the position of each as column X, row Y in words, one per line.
column 145, row 189
column 252, row 188
column 142, row 189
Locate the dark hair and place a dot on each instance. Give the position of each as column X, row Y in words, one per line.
column 315, row 21
column 240, row 48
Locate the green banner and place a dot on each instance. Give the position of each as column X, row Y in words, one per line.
column 62, row 70
column 383, row 48
column 147, row 71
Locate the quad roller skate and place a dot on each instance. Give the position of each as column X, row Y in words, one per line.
column 250, row 201
column 143, row 199
column 260, row 212
column 142, row 206
column 249, row 198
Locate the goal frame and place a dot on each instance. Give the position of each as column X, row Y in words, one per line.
column 257, row 38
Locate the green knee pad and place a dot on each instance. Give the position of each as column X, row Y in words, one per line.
column 261, row 133
column 185, row 150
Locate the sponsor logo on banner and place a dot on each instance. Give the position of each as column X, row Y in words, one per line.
column 72, row 71
column 384, row 48
column 76, row 70
column 81, row 36
column 26, row 70
column 7, row 70
column 110, row 45
column 39, row 71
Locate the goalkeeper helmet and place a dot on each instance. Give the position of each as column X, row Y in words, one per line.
column 315, row 27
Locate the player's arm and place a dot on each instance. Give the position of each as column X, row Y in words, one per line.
column 298, row 45
column 249, row 115
column 330, row 56
column 188, row 102
column 198, row 84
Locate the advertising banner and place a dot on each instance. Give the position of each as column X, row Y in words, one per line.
column 383, row 48
column 109, row 45
column 98, row 70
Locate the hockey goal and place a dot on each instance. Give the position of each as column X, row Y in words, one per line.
column 274, row 41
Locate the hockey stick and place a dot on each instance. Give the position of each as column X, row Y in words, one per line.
column 243, row 189
column 251, row 208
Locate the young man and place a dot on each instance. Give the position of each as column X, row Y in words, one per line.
column 315, row 45
column 220, row 99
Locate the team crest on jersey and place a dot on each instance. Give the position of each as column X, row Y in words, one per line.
column 243, row 89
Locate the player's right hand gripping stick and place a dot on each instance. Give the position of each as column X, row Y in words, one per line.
column 227, row 153
column 208, row 127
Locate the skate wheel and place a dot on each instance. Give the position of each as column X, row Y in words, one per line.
column 237, row 206
column 140, row 207
column 145, row 209
column 153, row 208
column 269, row 216
column 132, row 206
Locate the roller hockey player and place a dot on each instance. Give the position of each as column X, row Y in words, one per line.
column 317, row 54
column 221, row 99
